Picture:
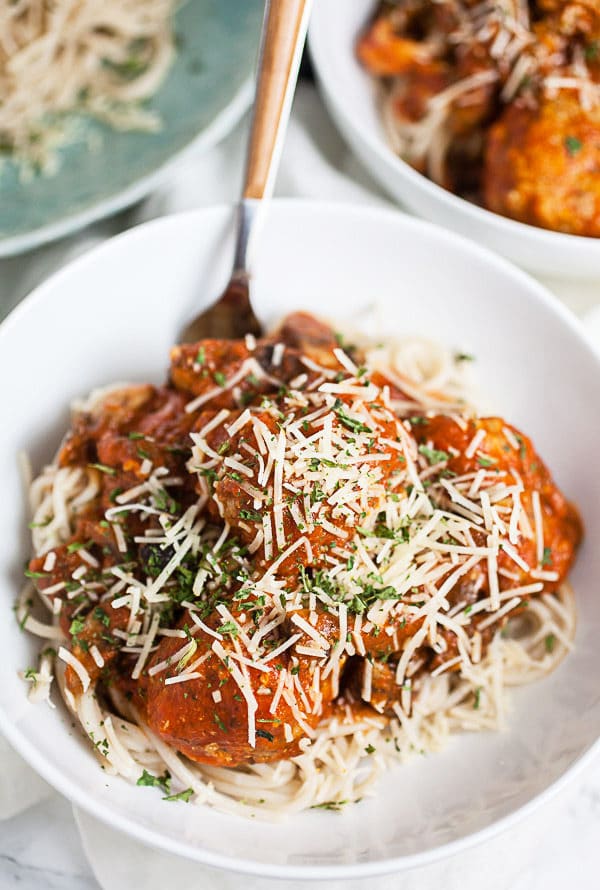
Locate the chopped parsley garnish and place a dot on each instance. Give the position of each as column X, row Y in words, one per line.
column 77, row 625
column 370, row 749
column 351, row 423
column 135, row 436
column 131, row 68
column 201, row 356
column 183, row 795
column 381, row 530
column 165, row 503
column 549, row 643
column 31, row 674
column 485, row 462
column 100, row 615
column 317, row 494
column 40, row 524
column 547, row 557
column 110, row 471
column 163, row 782
column 252, row 515
column 573, row 145
column 464, row 357
column 592, row 51
column 433, row 455
column 477, row 698
column 219, row 722
column 29, row 574
column 335, row 805
column 220, row 378
column 75, row 546
column 229, row 627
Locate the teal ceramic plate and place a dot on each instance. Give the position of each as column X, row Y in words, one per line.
column 206, row 91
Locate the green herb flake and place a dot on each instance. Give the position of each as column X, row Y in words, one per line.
column 40, row 524
column 183, row 795
column 252, row 515
column 31, row 674
column 220, row 378
column 573, row 145
column 230, row 628
column 100, row 615
column 77, row 625
column 335, row 805
column 219, row 722
column 110, row 471
column 351, row 423
column 477, row 698
column 163, row 782
column 200, row 356
column 75, row 546
column 433, row 455
column 592, row 51
column 370, row 749
column 549, row 643
column 547, row 557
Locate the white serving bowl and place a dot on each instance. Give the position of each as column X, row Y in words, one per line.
column 349, row 94
column 113, row 314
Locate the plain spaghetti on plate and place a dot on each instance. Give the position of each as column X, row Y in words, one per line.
column 78, row 56
column 295, row 563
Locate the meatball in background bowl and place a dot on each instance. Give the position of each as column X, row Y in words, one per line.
column 554, row 185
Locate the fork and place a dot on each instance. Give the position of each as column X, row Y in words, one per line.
column 283, row 34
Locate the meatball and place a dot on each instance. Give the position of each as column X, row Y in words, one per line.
column 562, row 528
column 542, row 165
column 206, row 718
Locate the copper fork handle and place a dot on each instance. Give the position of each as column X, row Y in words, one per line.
column 283, row 36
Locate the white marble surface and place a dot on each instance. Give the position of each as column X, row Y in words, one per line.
column 41, row 847
column 41, row 850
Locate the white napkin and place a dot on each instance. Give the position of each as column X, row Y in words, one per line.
column 315, row 164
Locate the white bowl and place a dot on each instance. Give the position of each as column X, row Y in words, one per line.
column 114, row 313
column 350, row 97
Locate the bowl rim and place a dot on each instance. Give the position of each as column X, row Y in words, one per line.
column 153, row 838
column 223, row 123
column 318, row 41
